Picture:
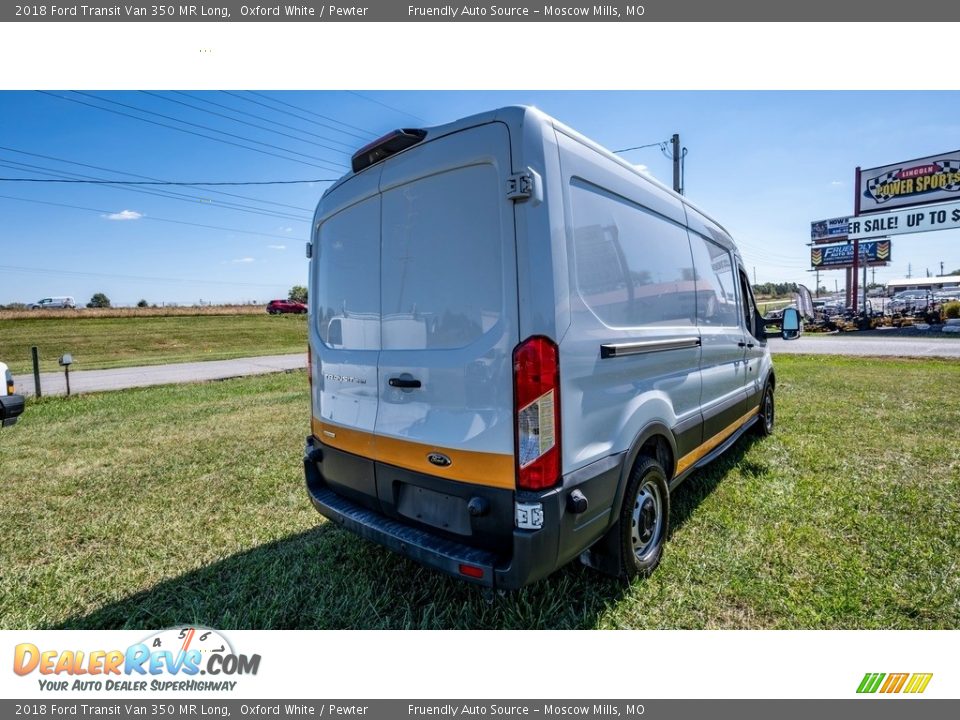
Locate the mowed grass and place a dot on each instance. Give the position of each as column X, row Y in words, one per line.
column 185, row 504
column 147, row 339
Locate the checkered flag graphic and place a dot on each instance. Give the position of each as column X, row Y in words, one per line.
column 874, row 185
column 951, row 166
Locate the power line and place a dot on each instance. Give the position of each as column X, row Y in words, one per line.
column 309, row 112
column 183, row 130
column 389, row 107
column 142, row 278
column 275, row 122
column 205, row 127
column 120, row 185
column 162, row 182
column 661, row 145
column 146, row 217
column 243, row 122
column 147, row 177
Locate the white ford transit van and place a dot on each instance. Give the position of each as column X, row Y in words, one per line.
column 519, row 346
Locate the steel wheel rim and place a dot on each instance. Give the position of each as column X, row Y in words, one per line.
column 768, row 411
column 646, row 520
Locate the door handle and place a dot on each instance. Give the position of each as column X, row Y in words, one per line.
column 403, row 383
column 745, row 344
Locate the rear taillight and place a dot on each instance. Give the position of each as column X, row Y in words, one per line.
column 536, row 402
column 11, row 388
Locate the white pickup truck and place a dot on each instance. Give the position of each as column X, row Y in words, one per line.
column 11, row 404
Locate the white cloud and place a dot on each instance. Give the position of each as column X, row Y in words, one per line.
column 124, row 215
column 277, row 247
column 243, row 260
column 836, row 183
column 288, row 229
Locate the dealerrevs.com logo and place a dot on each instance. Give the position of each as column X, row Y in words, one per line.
column 910, row 683
column 172, row 659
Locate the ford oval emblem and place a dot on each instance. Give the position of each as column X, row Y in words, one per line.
column 439, row 459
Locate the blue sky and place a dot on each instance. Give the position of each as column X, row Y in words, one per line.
column 763, row 163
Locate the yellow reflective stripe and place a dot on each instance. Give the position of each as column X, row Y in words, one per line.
column 478, row 468
column 704, row 449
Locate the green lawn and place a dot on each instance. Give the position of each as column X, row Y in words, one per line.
column 97, row 342
column 185, row 504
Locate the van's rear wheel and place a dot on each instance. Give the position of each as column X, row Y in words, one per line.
column 644, row 519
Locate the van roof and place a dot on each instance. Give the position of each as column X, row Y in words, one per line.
column 514, row 116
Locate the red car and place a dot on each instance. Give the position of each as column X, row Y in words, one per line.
column 276, row 307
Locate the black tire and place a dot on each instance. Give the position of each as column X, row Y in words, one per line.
column 765, row 423
column 644, row 519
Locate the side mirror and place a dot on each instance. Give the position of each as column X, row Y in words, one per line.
column 792, row 325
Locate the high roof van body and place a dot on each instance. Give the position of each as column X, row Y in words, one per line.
column 519, row 346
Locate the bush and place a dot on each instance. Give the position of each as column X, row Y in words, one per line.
column 143, row 303
column 952, row 310
column 99, row 300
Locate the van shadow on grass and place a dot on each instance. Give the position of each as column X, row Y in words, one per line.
column 328, row 578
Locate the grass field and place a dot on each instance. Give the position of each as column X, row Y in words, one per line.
column 185, row 504
column 147, row 338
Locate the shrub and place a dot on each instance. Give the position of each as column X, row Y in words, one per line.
column 952, row 310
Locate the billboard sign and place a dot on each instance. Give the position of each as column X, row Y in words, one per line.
column 830, row 230
column 872, row 252
column 912, row 220
column 931, row 179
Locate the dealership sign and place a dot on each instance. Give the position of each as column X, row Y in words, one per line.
column 926, row 180
column 914, row 220
column 830, row 230
column 875, row 252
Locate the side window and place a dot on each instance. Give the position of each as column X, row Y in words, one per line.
column 749, row 304
column 633, row 267
column 716, row 286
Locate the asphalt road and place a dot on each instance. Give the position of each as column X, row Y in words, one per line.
column 851, row 344
column 81, row 381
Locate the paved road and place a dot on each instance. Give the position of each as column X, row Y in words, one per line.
column 845, row 344
column 119, row 378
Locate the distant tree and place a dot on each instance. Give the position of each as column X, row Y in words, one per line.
column 298, row 293
column 99, row 300
column 143, row 303
column 954, row 272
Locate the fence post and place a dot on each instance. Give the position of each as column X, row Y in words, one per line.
column 36, row 371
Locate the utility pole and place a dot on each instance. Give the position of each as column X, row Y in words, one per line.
column 941, row 268
column 909, row 270
column 873, row 276
column 675, row 140
column 836, row 287
column 754, row 274
column 817, row 271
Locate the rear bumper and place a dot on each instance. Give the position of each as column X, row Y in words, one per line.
column 11, row 407
column 533, row 554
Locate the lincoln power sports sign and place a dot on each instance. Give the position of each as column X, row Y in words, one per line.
column 913, row 182
column 872, row 252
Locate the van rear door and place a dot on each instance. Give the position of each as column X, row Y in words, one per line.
column 345, row 302
column 448, row 304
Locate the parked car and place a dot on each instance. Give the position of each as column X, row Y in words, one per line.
column 54, row 303
column 11, row 404
column 277, row 307
column 562, row 341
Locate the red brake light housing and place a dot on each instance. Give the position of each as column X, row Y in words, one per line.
column 536, row 403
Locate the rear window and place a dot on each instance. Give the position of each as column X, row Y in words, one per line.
column 347, row 283
column 441, row 261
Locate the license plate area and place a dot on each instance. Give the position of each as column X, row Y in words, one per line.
column 437, row 509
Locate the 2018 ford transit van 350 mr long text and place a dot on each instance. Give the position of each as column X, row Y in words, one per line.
column 519, row 345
